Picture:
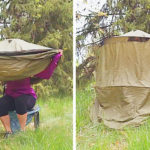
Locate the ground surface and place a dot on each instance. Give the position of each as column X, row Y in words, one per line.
column 54, row 133
column 98, row 137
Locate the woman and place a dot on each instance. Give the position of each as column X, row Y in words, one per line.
column 20, row 96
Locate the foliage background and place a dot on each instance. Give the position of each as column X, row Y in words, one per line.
column 43, row 22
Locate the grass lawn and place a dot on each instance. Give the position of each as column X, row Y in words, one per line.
column 98, row 137
column 54, row 133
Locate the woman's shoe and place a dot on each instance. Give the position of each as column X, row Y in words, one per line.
column 7, row 134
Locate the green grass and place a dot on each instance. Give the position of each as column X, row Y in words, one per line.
column 98, row 137
column 54, row 133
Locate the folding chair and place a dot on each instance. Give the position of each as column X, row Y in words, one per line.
column 34, row 113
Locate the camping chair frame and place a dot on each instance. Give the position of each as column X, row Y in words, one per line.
column 36, row 119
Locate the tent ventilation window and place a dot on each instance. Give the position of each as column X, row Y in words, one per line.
column 138, row 39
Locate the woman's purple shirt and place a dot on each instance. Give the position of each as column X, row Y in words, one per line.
column 19, row 87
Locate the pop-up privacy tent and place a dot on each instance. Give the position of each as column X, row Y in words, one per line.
column 123, row 80
column 20, row 59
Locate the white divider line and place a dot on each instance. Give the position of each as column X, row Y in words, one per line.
column 74, row 75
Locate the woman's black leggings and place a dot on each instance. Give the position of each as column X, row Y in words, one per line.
column 21, row 104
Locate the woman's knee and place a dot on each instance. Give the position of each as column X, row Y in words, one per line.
column 20, row 106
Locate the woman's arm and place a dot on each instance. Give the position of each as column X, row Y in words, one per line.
column 47, row 73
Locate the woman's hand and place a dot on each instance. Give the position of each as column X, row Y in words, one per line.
column 60, row 51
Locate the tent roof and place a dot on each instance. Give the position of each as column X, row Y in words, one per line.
column 17, row 45
column 137, row 33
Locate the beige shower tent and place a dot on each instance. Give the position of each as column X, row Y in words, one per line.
column 123, row 80
column 20, row 59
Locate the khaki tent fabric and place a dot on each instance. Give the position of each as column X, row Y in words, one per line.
column 122, row 83
column 124, row 63
column 20, row 59
column 137, row 33
column 17, row 45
